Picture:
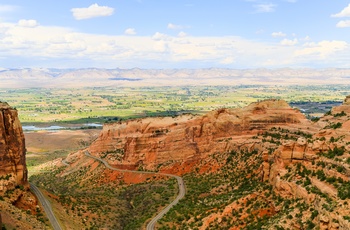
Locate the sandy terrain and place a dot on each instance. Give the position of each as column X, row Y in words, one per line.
column 47, row 141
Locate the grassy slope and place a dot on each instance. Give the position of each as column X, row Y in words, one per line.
column 111, row 204
column 234, row 197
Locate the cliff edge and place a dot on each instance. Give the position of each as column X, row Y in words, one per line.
column 13, row 170
column 151, row 142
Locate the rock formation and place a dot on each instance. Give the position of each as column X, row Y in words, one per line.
column 298, row 162
column 152, row 142
column 13, row 170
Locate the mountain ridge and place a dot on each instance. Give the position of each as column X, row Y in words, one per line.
column 99, row 77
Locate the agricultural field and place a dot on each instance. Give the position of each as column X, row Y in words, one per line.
column 86, row 105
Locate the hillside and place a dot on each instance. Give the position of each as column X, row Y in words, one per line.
column 262, row 166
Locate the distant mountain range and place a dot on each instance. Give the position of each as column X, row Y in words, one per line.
column 94, row 77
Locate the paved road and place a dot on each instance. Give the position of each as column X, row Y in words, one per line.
column 65, row 163
column 47, row 207
column 182, row 192
column 180, row 182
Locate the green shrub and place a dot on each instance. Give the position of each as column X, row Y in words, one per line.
column 341, row 114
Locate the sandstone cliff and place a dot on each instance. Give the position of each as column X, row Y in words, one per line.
column 14, row 187
column 13, row 170
column 316, row 167
column 153, row 142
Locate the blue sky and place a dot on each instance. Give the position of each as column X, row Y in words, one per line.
column 175, row 34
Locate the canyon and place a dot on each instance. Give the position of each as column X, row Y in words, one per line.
column 265, row 164
column 271, row 142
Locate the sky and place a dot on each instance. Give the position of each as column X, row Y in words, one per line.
column 161, row 34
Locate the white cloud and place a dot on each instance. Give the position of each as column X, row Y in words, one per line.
column 27, row 23
column 177, row 27
column 321, row 49
column 344, row 13
column 130, row 31
column 159, row 36
column 182, row 34
column 43, row 45
column 307, row 38
column 343, row 24
column 92, row 11
column 288, row 42
column 7, row 8
column 278, row 34
column 174, row 27
column 265, row 8
column 228, row 60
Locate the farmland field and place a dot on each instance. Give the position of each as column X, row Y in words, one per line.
column 84, row 105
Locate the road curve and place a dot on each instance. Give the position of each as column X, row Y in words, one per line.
column 47, row 207
column 65, row 163
column 180, row 183
column 182, row 192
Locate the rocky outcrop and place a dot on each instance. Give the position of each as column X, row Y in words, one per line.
column 296, row 166
column 153, row 142
column 291, row 150
column 13, row 170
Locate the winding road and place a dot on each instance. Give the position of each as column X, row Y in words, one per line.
column 65, row 162
column 180, row 182
column 150, row 226
column 47, row 207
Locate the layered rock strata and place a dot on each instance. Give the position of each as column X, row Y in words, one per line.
column 152, row 142
column 13, row 170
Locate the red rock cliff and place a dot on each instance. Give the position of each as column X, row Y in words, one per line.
column 160, row 141
column 13, row 170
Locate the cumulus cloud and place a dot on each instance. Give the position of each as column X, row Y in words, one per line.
column 288, row 42
column 27, row 23
column 344, row 13
column 343, row 24
column 130, row 31
column 321, row 49
column 265, row 8
column 182, row 34
column 160, row 36
column 92, row 11
column 73, row 49
column 278, row 34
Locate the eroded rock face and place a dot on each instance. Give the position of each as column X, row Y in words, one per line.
column 156, row 141
column 13, row 170
column 175, row 143
column 347, row 100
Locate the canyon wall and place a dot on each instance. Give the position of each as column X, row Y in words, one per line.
column 152, row 142
column 13, row 170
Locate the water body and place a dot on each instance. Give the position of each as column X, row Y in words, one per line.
column 56, row 127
